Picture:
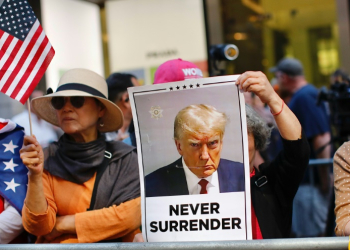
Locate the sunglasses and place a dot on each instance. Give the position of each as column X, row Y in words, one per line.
column 59, row 102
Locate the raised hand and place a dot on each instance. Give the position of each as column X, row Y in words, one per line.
column 32, row 155
column 257, row 82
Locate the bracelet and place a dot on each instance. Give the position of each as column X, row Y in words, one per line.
column 274, row 114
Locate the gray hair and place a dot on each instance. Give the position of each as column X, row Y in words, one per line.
column 258, row 127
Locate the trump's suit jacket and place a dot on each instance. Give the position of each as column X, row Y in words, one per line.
column 171, row 180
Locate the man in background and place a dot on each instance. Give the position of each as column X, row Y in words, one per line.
column 312, row 198
column 118, row 83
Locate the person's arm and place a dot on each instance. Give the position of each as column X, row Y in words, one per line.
column 41, row 223
column 10, row 224
column 33, row 157
column 341, row 164
column 318, row 142
column 108, row 223
column 38, row 216
column 287, row 123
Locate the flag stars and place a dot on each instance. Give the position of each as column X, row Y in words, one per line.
column 10, row 147
column 10, row 165
column 11, row 185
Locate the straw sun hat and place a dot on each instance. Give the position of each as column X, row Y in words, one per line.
column 81, row 82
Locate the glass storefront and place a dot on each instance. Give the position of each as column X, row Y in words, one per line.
column 267, row 30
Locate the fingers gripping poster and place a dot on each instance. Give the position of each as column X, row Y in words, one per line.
column 193, row 159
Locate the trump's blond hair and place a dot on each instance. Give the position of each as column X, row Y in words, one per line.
column 199, row 119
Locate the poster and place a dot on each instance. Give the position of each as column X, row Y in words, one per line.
column 189, row 131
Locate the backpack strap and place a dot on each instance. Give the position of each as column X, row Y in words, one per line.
column 100, row 171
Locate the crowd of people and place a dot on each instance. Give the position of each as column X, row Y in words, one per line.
column 83, row 144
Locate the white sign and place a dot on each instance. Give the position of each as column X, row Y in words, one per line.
column 188, row 132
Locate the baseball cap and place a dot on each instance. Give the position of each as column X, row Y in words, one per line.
column 176, row 70
column 289, row 66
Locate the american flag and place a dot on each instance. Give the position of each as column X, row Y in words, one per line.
column 13, row 173
column 25, row 51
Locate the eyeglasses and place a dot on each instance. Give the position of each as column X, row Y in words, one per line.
column 59, row 102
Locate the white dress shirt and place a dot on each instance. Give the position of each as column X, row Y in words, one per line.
column 192, row 181
column 10, row 224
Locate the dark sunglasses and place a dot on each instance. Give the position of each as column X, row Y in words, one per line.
column 59, row 102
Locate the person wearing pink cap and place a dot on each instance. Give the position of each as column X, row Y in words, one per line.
column 176, row 70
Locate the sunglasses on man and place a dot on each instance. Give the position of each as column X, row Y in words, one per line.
column 59, row 101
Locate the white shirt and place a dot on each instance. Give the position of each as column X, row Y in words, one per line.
column 192, row 181
column 10, row 224
column 43, row 131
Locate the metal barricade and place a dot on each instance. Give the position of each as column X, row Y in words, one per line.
column 329, row 243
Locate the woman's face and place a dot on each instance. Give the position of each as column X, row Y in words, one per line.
column 80, row 123
column 252, row 150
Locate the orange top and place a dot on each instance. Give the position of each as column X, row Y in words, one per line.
column 67, row 198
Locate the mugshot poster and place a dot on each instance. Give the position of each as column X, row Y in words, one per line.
column 210, row 143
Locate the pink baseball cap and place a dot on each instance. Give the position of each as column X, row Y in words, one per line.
column 176, row 70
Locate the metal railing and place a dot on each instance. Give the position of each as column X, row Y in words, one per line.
column 329, row 243
column 313, row 162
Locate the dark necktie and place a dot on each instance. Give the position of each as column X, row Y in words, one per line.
column 203, row 183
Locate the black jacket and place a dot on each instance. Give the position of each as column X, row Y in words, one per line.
column 273, row 201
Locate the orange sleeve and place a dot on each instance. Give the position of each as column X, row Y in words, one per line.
column 41, row 224
column 109, row 223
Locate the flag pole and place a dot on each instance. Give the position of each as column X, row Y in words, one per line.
column 30, row 116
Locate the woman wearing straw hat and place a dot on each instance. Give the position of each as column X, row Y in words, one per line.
column 81, row 189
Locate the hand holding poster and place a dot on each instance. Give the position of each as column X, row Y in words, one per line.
column 192, row 140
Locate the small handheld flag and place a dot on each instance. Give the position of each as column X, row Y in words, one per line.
column 25, row 51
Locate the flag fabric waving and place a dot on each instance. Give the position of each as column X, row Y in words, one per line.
column 13, row 173
column 25, row 51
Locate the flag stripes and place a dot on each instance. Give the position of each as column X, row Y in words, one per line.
column 23, row 63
